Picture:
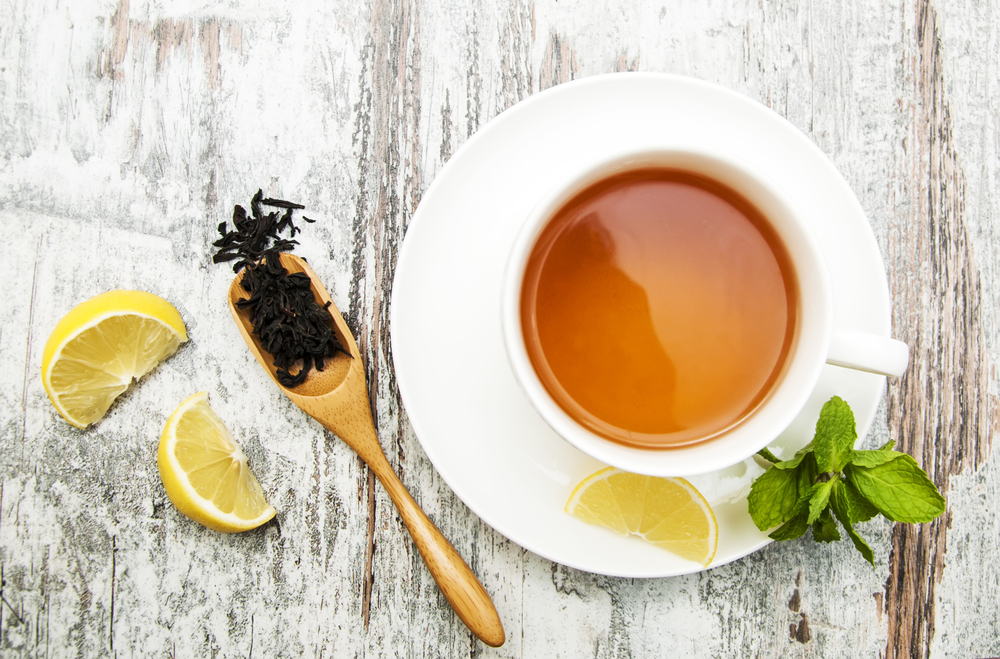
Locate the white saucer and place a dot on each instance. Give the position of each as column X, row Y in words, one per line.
column 472, row 419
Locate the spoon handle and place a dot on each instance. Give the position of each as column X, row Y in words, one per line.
column 453, row 575
column 352, row 422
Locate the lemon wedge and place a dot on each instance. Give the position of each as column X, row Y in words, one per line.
column 101, row 345
column 205, row 472
column 667, row 512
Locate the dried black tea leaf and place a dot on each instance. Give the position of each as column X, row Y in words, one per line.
column 291, row 326
column 280, row 203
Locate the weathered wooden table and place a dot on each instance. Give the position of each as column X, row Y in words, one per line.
column 129, row 131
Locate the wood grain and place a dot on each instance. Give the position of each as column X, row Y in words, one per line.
column 389, row 183
column 941, row 410
column 130, row 128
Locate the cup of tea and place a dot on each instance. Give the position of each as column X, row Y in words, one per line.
column 668, row 311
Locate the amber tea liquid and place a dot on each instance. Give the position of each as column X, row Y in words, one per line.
column 658, row 307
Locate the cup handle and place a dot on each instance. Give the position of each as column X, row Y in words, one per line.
column 868, row 352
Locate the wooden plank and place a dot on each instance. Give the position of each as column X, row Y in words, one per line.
column 129, row 131
column 942, row 408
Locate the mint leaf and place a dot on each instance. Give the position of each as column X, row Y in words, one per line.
column 855, row 506
column 793, row 528
column 797, row 459
column 773, row 497
column 825, row 529
column 899, row 489
column 767, row 455
column 838, row 502
column 835, row 435
column 807, row 474
column 806, row 509
column 828, row 481
column 874, row 458
column 819, row 498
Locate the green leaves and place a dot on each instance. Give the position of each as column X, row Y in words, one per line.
column 773, row 497
column 825, row 529
column 829, row 480
column 899, row 489
column 835, row 436
column 842, row 510
column 855, row 507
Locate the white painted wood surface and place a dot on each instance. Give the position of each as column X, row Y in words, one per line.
column 128, row 131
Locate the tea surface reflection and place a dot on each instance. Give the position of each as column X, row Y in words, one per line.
column 658, row 307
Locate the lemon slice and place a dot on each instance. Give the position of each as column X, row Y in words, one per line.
column 101, row 345
column 205, row 472
column 667, row 512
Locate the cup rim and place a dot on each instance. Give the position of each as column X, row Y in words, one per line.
column 806, row 356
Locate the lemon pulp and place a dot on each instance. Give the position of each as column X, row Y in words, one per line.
column 205, row 472
column 101, row 345
column 666, row 512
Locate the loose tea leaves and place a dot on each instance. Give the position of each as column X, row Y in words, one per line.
column 257, row 234
column 284, row 314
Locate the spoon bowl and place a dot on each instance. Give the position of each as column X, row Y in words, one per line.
column 337, row 397
column 336, row 369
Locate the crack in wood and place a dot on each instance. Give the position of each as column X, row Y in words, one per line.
column 3, row 598
column 27, row 349
column 516, row 37
column 559, row 64
column 114, row 574
column 473, row 85
column 369, row 574
column 445, row 151
column 312, row 515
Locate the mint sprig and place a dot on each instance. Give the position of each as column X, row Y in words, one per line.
column 828, row 480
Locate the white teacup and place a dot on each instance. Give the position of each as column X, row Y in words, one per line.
column 816, row 340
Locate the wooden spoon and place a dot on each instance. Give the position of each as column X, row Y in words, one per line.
column 337, row 397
